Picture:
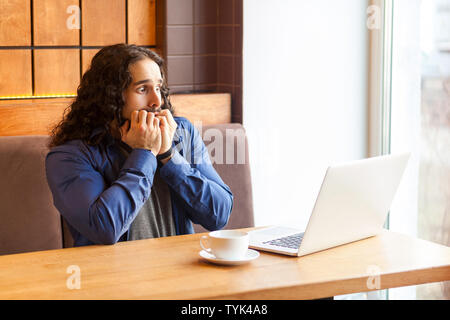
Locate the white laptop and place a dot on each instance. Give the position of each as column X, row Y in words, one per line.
column 352, row 204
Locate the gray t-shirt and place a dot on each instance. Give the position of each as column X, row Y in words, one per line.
column 154, row 219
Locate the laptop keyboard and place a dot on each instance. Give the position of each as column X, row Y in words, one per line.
column 292, row 241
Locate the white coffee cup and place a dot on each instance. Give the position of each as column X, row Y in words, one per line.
column 226, row 244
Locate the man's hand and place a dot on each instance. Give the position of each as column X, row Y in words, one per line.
column 143, row 132
column 168, row 127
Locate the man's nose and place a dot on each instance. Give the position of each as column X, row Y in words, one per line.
column 154, row 100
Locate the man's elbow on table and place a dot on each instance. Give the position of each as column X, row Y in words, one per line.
column 221, row 215
column 105, row 237
column 103, row 229
column 108, row 239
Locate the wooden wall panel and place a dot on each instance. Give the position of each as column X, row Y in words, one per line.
column 36, row 117
column 50, row 23
column 56, row 71
column 15, row 71
column 15, row 23
column 103, row 22
column 31, row 117
column 142, row 22
column 208, row 108
column 86, row 57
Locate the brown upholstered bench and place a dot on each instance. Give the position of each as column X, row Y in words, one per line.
column 30, row 222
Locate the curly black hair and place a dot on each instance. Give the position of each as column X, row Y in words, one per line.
column 100, row 99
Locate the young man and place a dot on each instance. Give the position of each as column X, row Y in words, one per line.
column 121, row 167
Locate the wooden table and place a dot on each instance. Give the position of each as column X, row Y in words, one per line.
column 170, row 268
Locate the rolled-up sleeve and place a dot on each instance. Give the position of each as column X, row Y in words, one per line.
column 102, row 213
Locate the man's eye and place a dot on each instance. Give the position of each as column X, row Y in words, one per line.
column 142, row 88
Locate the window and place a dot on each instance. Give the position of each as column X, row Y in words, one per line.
column 420, row 123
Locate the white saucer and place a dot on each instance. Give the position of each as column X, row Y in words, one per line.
column 249, row 256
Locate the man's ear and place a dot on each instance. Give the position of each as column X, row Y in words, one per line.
column 124, row 98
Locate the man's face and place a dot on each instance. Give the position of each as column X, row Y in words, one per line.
column 144, row 92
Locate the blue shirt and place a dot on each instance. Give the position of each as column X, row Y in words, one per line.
column 99, row 191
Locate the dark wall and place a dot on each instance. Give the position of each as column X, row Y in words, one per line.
column 201, row 41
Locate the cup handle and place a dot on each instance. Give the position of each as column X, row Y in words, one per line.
column 204, row 247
